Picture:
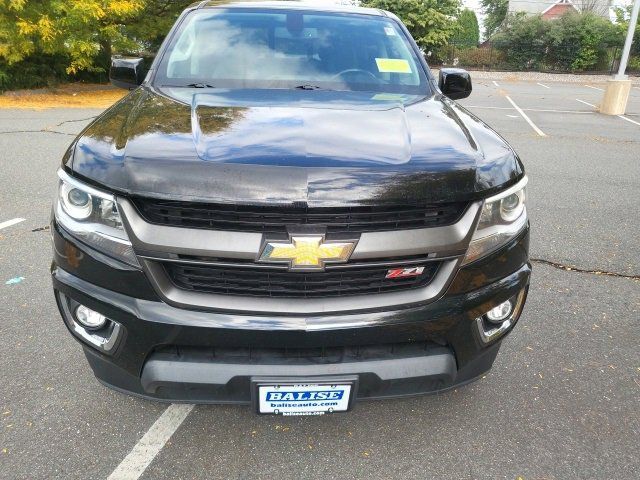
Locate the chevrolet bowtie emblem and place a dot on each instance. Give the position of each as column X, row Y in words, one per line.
column 307, row 252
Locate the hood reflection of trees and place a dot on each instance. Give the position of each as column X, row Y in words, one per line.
column 147, row 113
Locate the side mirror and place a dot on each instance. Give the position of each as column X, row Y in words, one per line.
column 127, row 72
column 455, row 83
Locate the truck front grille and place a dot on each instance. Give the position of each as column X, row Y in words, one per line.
column 275, row 219
column 301, row 355
column 268, row 282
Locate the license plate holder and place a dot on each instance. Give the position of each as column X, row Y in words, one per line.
column 292, row 396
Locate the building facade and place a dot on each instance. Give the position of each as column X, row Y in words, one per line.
column 550, row 9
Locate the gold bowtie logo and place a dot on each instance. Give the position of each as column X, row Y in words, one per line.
column 307, row 252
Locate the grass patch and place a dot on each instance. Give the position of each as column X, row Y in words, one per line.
column 67, row 96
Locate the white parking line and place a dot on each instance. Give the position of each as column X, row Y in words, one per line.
column 543, row 85
column 586, row 103
column 552, row 111
column 619, row 116
column 595, row 88
column 524, row 115
column 495, row 83
column 549, row 110
column 8, row 223
column 627, row 119
column 492, row 108
column 637, row 88
column 134, row 464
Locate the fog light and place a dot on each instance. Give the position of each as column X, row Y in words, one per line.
column 89, row 318
column 500, row 313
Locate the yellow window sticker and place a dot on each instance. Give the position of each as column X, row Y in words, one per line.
column 393, row 65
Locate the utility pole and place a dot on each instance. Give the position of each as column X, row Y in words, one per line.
column 616, row 95
column 629, row 40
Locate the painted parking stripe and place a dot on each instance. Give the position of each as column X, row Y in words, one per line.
column 619, row 116
column 627, row 119
column 543, row 85
column 595, row 88
column 547, row 110
column 550, row 110
column 489, row 107
column 526, row 117
column 134, row 464
column 586, row 103
column 9, row 223
column 495, row 83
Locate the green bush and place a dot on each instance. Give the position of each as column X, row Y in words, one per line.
column 634, row 64
column 32, row 72
column 480, row 58
column 5, row 81
column 523, row 42
column 575, row 42
column 585, row 36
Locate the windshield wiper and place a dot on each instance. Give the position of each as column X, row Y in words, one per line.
column 191, row 85
column 200, row 85
column 309, row 87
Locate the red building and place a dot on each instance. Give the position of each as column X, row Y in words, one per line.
column 558, row 9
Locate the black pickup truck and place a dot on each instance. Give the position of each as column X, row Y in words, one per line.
column 289, row 210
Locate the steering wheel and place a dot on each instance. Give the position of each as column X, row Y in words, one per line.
column 351, row 71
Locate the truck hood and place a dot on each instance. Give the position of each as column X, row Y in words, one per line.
column 320, row 148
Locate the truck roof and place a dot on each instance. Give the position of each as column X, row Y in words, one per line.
column 289, row 5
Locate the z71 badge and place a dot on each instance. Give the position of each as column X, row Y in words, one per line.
column 404, row 272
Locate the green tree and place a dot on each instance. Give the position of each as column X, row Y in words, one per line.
column 86, row 31
column 82, row 30
column 523, row 39
column 495, row 12
column 431, row 22
column 575, row 42
column 154, row 21
column 45, row 41
column 583, row 39
column 623, row 14
column 468, row 33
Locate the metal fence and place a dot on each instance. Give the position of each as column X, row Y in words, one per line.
column 538, row 58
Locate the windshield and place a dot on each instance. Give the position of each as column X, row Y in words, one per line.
column 291, row 49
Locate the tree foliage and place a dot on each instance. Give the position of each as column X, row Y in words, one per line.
column 522, row 39
column 79, row 29
column 79, row 35
column 623, row 15
column 575, row 42
column 468, row 33
column 431, row 22
column 495, row 12
column 153, row 22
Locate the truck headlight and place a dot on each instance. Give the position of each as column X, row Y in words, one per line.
column 92, row 216
column 503, row 217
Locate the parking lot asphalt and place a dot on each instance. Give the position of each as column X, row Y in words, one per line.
column 563, row 398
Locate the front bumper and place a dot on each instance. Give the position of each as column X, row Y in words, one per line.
column 175, row 354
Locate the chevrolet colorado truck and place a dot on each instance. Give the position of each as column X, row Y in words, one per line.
column 289, row 210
